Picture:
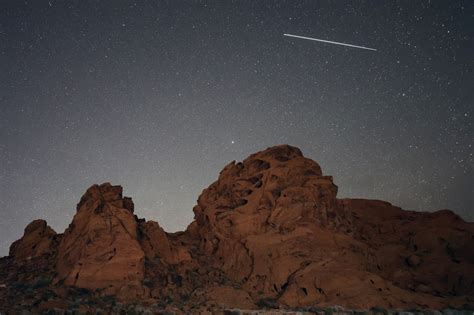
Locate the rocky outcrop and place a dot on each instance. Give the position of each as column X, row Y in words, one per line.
column 38, row 239
column 156, row 244
column 100, row 248
column 426, row 253
column 270, row 232
column 273, row 224
column 271, row 193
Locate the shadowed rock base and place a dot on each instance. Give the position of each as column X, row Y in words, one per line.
column 268, row 234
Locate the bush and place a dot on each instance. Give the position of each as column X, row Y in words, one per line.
column 267, row 303
column 83, row 292
column 20, row 286
column 148, row 282
column 378, row 310
column 42, row 282
column 328, row 311
column 109, row 300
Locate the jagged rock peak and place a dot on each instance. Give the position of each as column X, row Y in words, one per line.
column 103, row 193
column 100, row 248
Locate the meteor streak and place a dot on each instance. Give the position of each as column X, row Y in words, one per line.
column 330, row 42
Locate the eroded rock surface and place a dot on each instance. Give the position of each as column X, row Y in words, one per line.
column 38, row 239
column 270, row 232
column 273, row 223
column 100, row 248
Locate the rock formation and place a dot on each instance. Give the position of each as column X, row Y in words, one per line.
column 38, row 240
column 269, row 232
column 100, row 248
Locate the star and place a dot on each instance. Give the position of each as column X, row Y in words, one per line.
column 147, row 94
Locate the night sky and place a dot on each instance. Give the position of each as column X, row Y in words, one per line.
column 158, row 96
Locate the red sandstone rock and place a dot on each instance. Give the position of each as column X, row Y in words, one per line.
column 38, row 239
column 273, row 224
column 155, row 243
column 100, row 248
column 269, row 229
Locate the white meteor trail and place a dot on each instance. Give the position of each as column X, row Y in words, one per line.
column 329, row 42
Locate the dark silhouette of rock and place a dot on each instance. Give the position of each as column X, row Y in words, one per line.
column 269, row 232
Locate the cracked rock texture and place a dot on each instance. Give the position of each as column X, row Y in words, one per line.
column 269, row 232
column 100, row 248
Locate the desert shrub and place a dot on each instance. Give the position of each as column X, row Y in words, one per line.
column 328, row 311
column 177, row 279
column 108, row 300
column 20, row 286
column 267, row 303
column 378, row 310
column 48, row 294
column 468, row 307
column 42, row 282
column 306, row 309
column 89, row 302
column 169, row 300
column 83, row 292
column 185, row 297
column 132, row 311
column 148, row 282
column 148, row 262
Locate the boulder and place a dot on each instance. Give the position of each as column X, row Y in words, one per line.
column 38, row 239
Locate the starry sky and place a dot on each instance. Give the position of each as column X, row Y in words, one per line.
column 158, row 96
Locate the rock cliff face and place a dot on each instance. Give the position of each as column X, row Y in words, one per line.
column 269, row 232
column 100, row 248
